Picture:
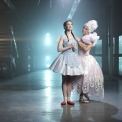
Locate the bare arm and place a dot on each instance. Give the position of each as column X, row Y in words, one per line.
column 60, row 47
column 84, row 46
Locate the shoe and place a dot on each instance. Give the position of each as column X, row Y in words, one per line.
column 87, row 97
column 63, row 103
column 70, row 102
column 81, row 100
column 84, row 101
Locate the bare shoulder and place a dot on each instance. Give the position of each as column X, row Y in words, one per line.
column 62, row 38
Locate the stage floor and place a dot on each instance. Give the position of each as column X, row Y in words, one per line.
column 36, row 97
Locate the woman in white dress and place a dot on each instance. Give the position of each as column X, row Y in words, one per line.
column 67, row 63
column 93, row 81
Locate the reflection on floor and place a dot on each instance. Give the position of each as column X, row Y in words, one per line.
column 36, row 97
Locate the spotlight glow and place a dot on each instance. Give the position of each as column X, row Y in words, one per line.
column 73, row 9
column 48, row 77
column 47, row 40
column 47, row 58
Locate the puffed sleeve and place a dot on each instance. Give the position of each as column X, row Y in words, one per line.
column 94, row 38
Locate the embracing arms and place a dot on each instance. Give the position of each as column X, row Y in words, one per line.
column 84, row 47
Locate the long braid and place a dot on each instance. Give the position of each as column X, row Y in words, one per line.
column 73, row 35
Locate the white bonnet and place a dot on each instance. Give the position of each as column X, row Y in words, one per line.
column 92, row 25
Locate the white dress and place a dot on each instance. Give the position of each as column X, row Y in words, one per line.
column 67, row 62
column 93, row 81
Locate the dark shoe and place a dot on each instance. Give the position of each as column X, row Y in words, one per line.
column 63, row 103
column 87, row 97
column 70, row 102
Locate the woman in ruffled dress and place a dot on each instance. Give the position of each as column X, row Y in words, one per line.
column 93, row 81
column 67, row 63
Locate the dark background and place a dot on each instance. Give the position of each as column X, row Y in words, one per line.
column 31, row 20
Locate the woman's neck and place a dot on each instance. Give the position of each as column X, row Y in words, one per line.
column 68, row 32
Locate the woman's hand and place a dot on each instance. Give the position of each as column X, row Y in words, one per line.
column 78, row 40
column 71, row 45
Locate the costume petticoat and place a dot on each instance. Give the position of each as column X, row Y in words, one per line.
column 93, row 81
column 67, row 62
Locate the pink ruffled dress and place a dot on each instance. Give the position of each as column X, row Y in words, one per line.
column 93, row 81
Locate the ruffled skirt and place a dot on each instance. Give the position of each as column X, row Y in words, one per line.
column 93, row 80
column 67, row 64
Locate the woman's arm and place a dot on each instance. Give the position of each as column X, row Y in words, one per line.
column 60, row 47
column 84, row 46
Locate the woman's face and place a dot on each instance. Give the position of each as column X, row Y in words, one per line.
column 69, row 26
column 85, row 30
